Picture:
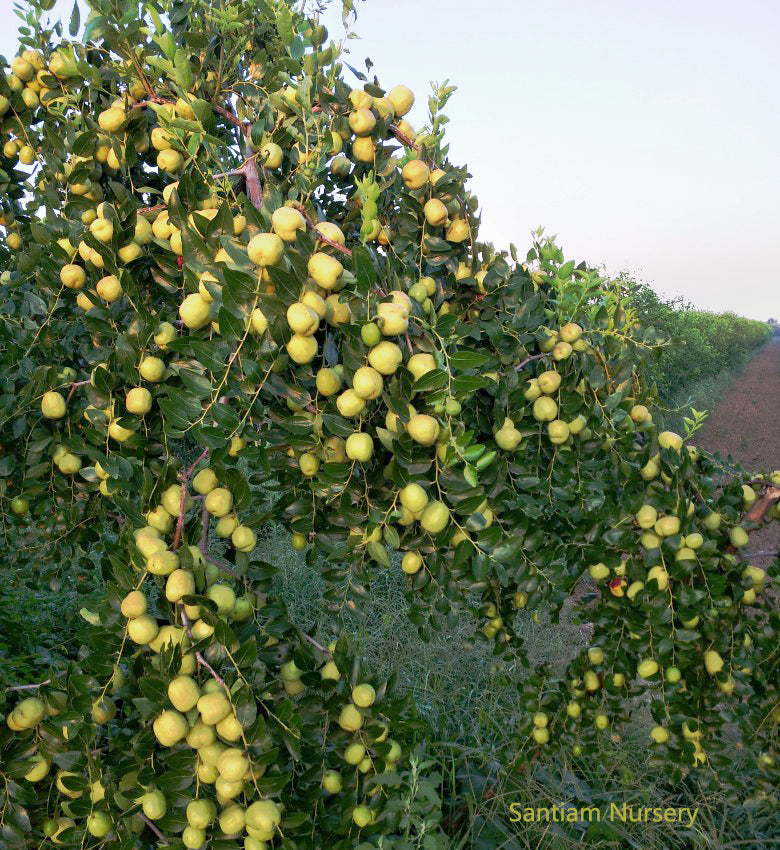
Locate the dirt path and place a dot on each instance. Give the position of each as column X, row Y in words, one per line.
column 746, row 425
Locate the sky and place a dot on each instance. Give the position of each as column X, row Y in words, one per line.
column 646, row 136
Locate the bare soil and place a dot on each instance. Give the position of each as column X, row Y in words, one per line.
column 746, row 425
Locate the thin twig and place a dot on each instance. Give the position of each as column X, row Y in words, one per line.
column 225, row 113
column 73, row 389
column 184, row 479
column 316, row 644
column 202, row 456
column 529, row 359
column 154, row 829
column 28, row 687
column 337, row 245
column 761, row 508
column 198, row 657
column 204, row 528
column 155, row 208
column 228, row 570
column 404, row 139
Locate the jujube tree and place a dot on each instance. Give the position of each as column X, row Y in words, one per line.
column 231, row 271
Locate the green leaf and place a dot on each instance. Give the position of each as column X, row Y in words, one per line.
column 378, row 552
column 284, row 23
column 433, row 380
column 75, row 20
column 466, row 358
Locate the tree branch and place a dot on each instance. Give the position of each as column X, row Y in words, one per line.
column 28, row 687
column 204, row 528
column 529, row 359
column 198, row 657
column 228, row 570
column 184, row 479
column 337, row 245
column 761, row 508
column 316, row 644
column 404, row 139
column 154, row 829
column 73, row 387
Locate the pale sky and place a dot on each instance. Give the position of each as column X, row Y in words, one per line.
column 645, row 135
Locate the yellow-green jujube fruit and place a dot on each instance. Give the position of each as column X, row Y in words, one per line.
column 350, row 718
column 363, row 695
column 548, row 382
column 349, row 403
column 224, row 597
column 367, row 383
column 53, row 405
column 109, row 288
column 545, row 409
column 151, row 369
column 413, row 497
column 359, row 447
column 302, row 349
column 184, row 693
column 170, row 727
column 328, row 381
column 204, row 481
column 265, row 249
column 39, row 769
column 194, row 311
column 670, row 440
column 324, row 269
column 180, row 583
column 243, row 538
column 415, row 174
column 385, row 357
column 435, row 517
column 232, row 764
column 423, row 429
column 647, row 668
column 411, row 563
column 142, row 629
column 213, row 707
column 154, row 805
column 219, row 502
column 138, row 401
column 713, row 663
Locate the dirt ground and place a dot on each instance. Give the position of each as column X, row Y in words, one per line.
column 746, row 425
